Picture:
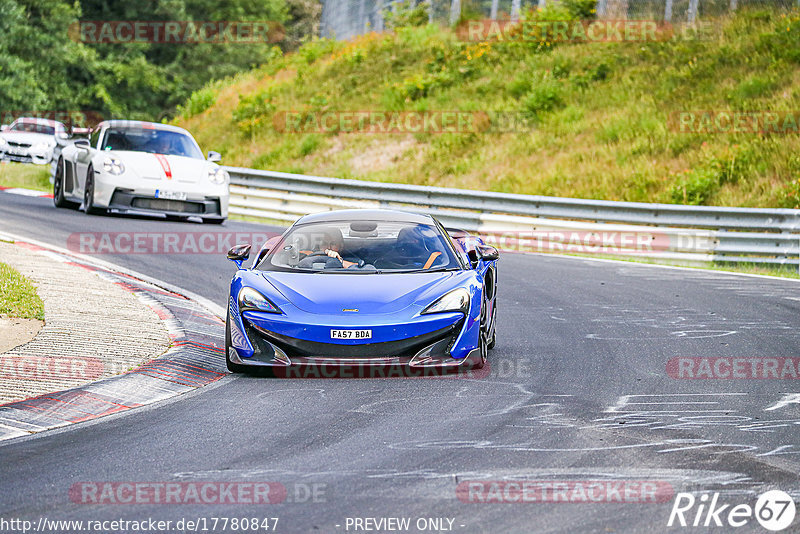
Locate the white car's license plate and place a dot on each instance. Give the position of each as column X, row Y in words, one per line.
column 351, row 334
column 171, row 195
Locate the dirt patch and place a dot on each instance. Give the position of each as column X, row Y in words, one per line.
column 381, row 155
column 15, row 332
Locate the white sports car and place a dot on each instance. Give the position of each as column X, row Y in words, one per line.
column 142, row 167
column 30, row 140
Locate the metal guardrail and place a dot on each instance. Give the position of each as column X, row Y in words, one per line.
column 551, row 224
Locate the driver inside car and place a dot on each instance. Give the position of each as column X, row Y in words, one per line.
column 160, row 145
column 332, row 246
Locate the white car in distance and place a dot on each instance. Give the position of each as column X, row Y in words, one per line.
column 30, row 140
column 135, row 166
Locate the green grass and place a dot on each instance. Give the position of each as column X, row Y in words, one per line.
column 18, row 296
column 25, row 175
column 601, row 112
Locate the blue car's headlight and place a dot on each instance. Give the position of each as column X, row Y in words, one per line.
column 250, row 299
column 455, row 301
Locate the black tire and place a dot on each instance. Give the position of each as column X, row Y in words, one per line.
column 484, row 351
column 59, row 199
column 88, row 194
column 213, row 220
column 483, row 341
column 232, row 367
column 493, row 339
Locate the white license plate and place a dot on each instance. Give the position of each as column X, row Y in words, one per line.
column 351, row 334
column 171, row 195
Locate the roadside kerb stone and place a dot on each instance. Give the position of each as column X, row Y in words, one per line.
column 93, row 328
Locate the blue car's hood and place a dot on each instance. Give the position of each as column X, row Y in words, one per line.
column 369, row 293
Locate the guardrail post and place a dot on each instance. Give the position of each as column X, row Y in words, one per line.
column 668, row 11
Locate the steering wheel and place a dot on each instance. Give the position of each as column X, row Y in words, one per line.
column 315, row 254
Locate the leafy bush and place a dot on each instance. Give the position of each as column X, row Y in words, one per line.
column 750, row 88
column 581, row 9
column 783, row 42
column 791, row 193
column 309, row 144
column 696, row 187
column 253, row 110
column 405, row 14
column 519, row 86
column 200, row 101
column 543, row 97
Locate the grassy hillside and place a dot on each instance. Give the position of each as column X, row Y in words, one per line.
column 600, row 111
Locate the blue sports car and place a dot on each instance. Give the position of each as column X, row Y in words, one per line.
column 363, row 288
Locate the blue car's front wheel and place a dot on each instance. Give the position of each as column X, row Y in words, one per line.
column 493, row 338
column 232, row 367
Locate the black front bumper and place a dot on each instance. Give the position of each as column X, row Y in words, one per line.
column 427, row 351
column 128, row 201
column 26, row 158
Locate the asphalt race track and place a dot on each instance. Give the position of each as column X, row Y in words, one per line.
column 578, row 391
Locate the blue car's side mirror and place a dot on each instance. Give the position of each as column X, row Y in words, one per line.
column 488, row 253
column 237, row 254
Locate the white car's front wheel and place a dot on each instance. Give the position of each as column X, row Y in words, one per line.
column 88, row 194
column 58, row 188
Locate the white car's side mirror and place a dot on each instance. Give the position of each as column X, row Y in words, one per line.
column 214, row 156
column 82, row 144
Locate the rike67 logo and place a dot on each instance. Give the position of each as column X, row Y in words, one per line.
column 774, row 510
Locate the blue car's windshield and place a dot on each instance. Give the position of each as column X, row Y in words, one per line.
column 363, row 247
column 151, row 140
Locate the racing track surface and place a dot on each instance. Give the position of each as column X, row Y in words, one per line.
column 578, row 391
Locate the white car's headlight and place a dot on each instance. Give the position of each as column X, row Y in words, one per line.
column 3, row 142
column 218, row 175
column 113, row 166
column 455, row 301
